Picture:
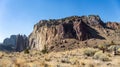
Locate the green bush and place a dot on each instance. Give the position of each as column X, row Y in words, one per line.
column 89, row 51
column 101, row 56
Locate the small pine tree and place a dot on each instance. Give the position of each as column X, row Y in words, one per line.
column 103, row 47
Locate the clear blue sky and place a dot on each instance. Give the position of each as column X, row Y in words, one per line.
column 19, row 16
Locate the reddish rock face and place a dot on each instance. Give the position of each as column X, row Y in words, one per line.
column 46, row 32
column 82, row 31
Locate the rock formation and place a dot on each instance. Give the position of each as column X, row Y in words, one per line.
column 66, row 33
column 10, row 41
column 113, row 25
column 21, row 43
column 15, row 43
column 49, row 32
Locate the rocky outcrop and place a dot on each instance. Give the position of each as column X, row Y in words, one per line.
column 69, row 32
column 113, row 25
column 10, row 41
column 21, row 43
column 15, row 43
column 93, row 20
column 80, row 28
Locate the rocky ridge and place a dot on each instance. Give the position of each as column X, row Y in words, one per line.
column 15, row 43
column 61, row 34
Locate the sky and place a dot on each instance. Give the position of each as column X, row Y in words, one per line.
column 19, row 16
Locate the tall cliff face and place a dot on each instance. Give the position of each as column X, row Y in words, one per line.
column 21, row 43
column 48, row 32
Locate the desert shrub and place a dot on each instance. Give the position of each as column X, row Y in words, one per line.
column 103, row 47
column 82, row 64
column 101, row 56
column 117, row 52
column 112, row 43
column 45, row 50
column 114, row 48
column 89, row 51
column 65, row 60
column 46, row 65
column 26, row 51
column 47, row 59
column 111, row 48
column 109, row 54
column 118, row 49
column 90, row 65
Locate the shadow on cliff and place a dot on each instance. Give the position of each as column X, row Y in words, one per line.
column 80, row 31
column 94, row 33
column 73, row 35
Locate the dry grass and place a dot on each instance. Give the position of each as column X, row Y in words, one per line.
column 101, row 56
column 73, row 58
